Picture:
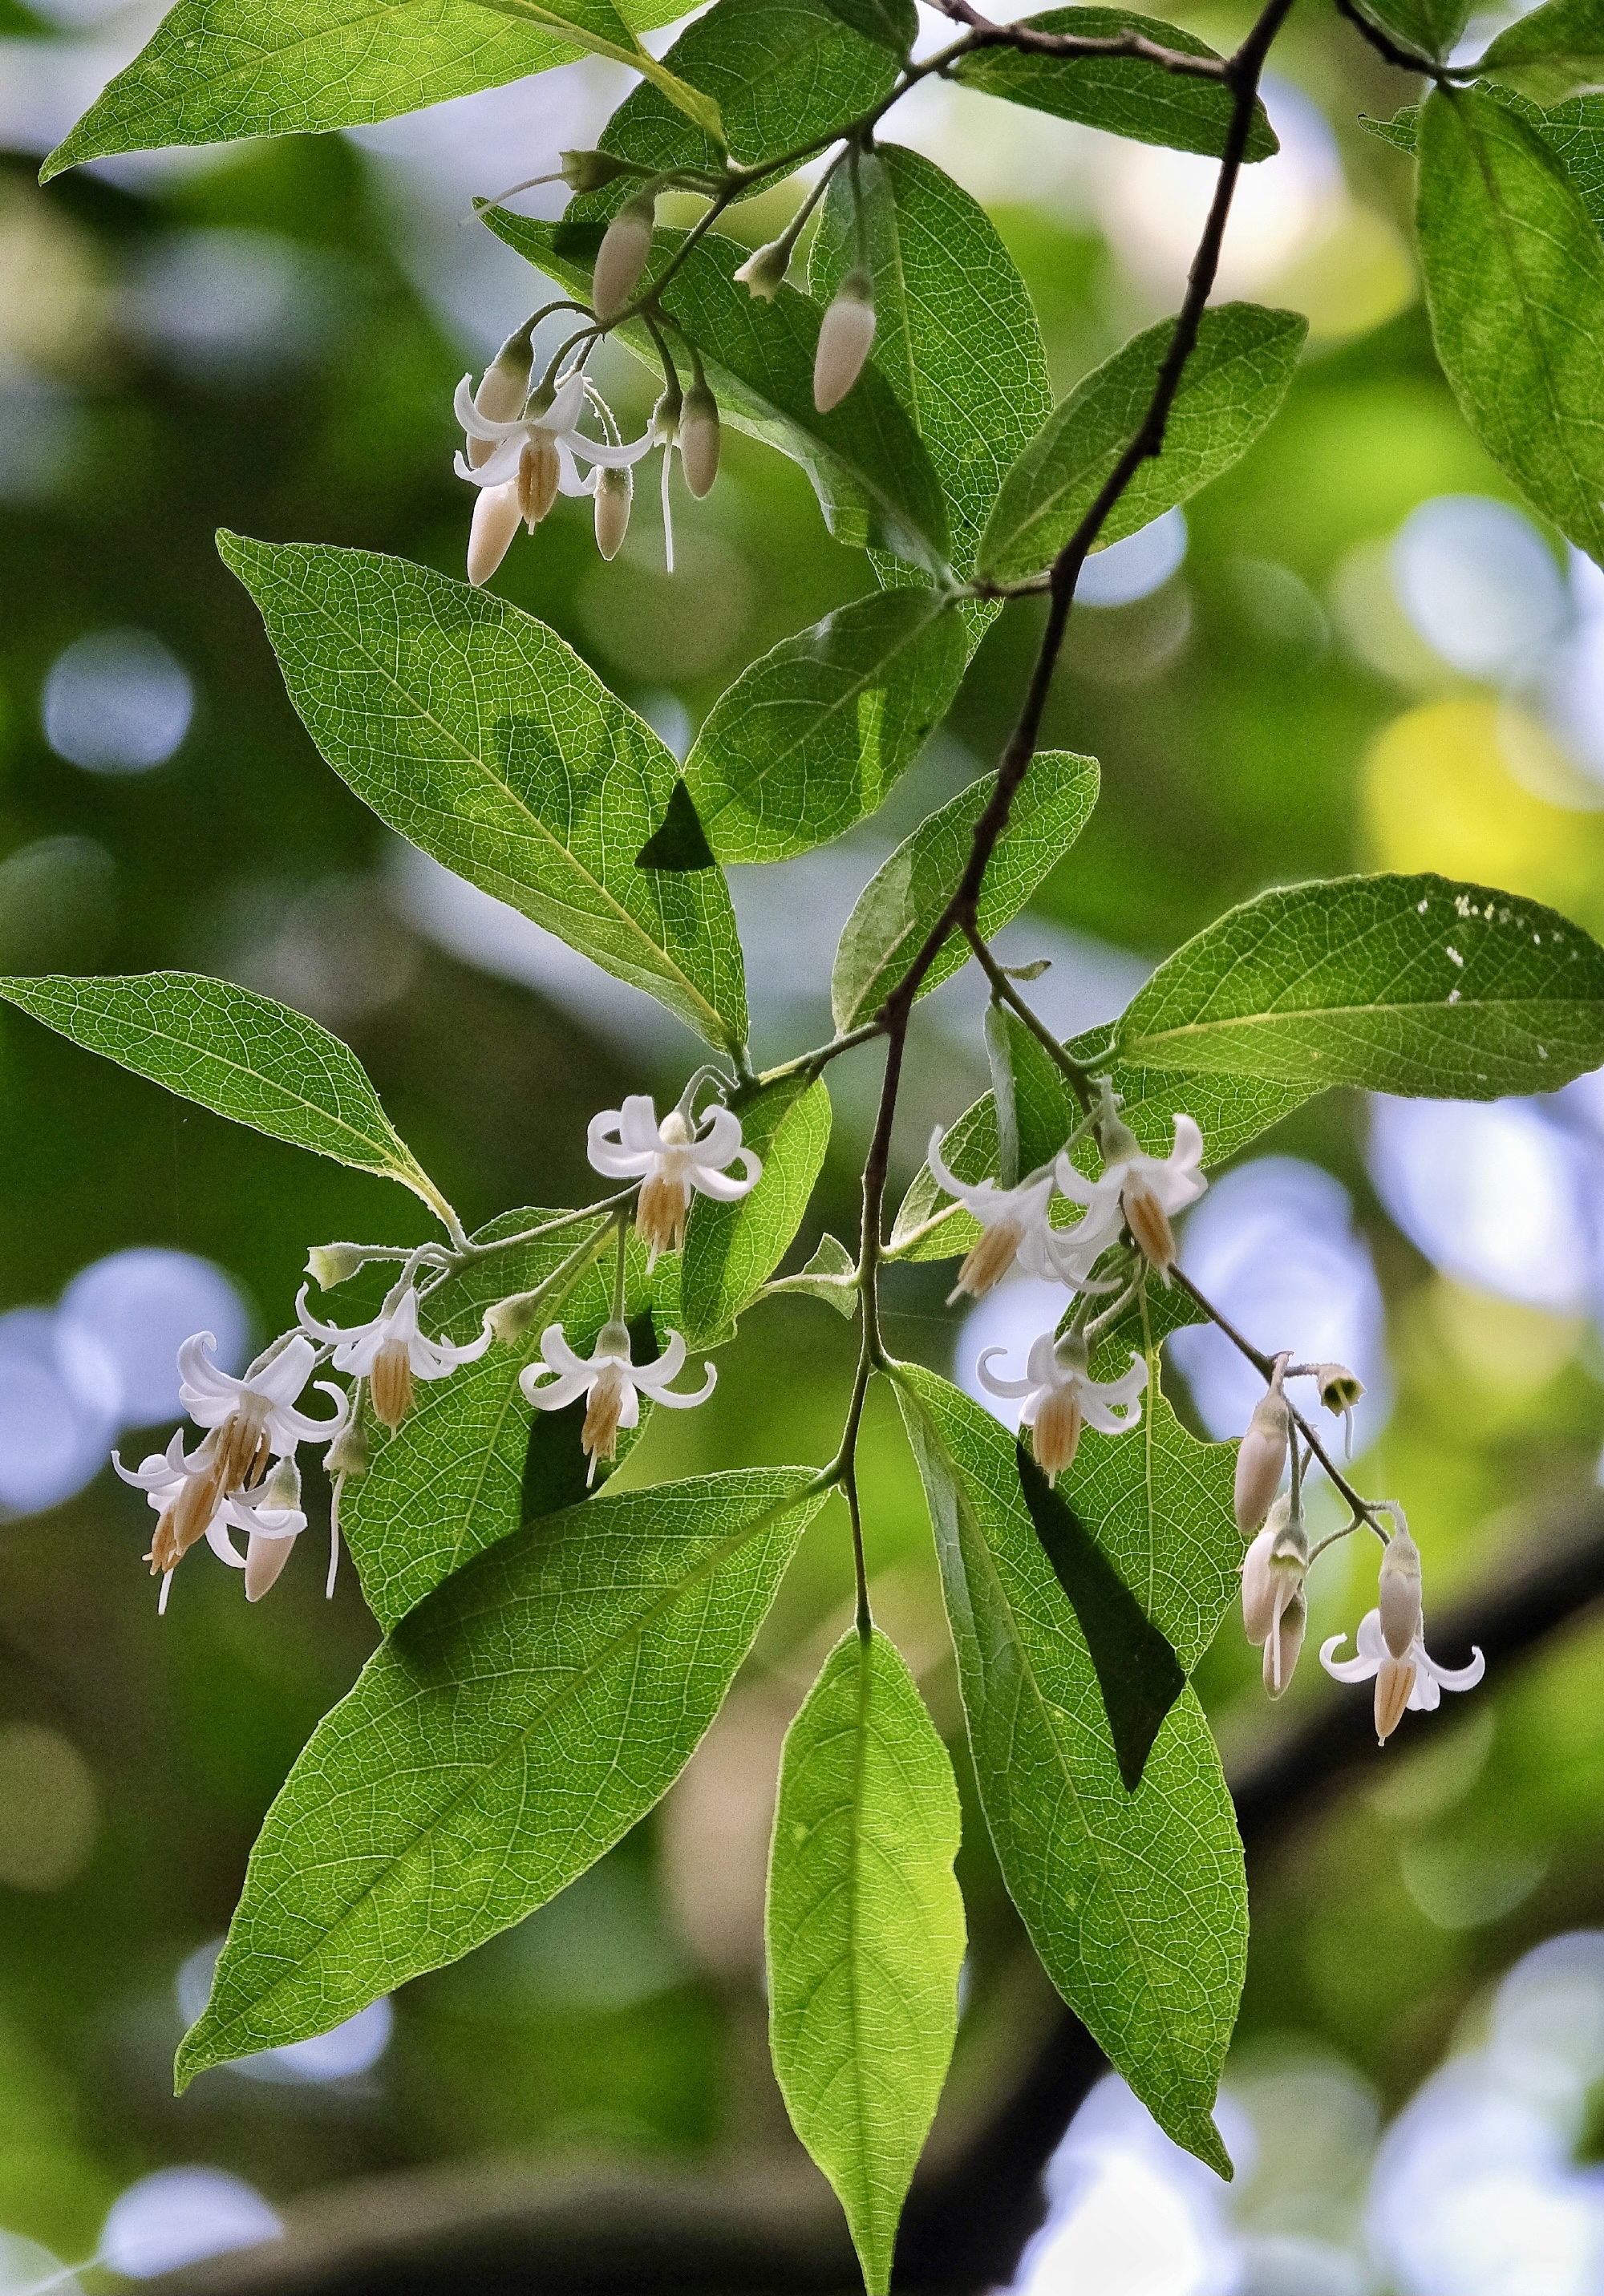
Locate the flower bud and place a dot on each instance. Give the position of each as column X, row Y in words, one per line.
column 509, row 1319
column 845, row 337
column 1261, row 1459
column 496, row 519
column 621, row 257
column 592, row 171
column 762, row 274
column 1272, row 1571
column 328, row 1264
column 539, row 476
column 699, row 440
column 348, row 1453
column 1283, row 1643
column 666, row 417
column 1398, row 1594
column 615, row 493
column 502, row 389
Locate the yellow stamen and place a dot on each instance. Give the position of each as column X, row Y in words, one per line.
column 1148, row 1223
column 988, row 1260
column 1056, row 1434
column 661, row 1214
column 1394, row 1679
column 599, row 1436
column 391, row 1384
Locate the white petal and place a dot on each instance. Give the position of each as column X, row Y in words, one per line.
column 478, row 425
column 550, row 1395
column 994, row 1386
column 723, row 1186
column 1346, row 1670
column 604, row 1144
column 1453, row 1678
column 638, row 1127
column 602, row 450
column 559, row 1356
column 280, row 1381
column 496, row 472
column 683, row 1402
column 567, row 406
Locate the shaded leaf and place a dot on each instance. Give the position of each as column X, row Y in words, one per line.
column 1573, row 132
column 241, row 1055
column 1514, row 286
column 731, row 1250
column 1138, row 1673
column 1236, row 378
column 681, row 842
column 956, row 334
column 874, row 480
column 894, row 23
column 1552, row 52
column 216, row 70
column 1128, row 95
column 865, row 1933
column 527, row 1715
column 472, row 729
column 830, row 1275
column 1413, row 984
column 811, row 738
column 1136, row 1902
column 896, row 909
column 597, row 27
column 1431, row 28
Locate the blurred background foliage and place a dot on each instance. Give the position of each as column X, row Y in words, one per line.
column 1354, row 652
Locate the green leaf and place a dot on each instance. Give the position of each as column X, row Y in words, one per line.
column 811, row 738
column 216, row 70
column 1551, row 53
column 241, row 1055
column 597, row 27
column 956, row 334
column 522, row 1719
column 830, row 1275
column 901, row 902
column 1233, row 382
column 1573, row 132
column 1431, row 28
column 472, row 729
column 1126, row 94
column 1400, row 131
column 865, row 1933
column 1514, row 286
column 1136, row 1902
column 731, row 1250
column 1412, row 984
column 874, row 480
column 680, row 842
column 784, row 72
column 894, row 23
column 457, row 1475
column 1138, row 1673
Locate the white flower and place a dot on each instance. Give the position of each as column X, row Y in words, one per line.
column 521, row 465
column 1413, row 1681
column 1139, row 1189
column 610, row 1381
column 1017, row 1226
column 270, row 1516
column 391, row 1351
column 629, row 1144
column 1061, row 1395
column 165, row 1477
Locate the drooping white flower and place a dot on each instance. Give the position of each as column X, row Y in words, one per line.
column 610, row 1381
column 165, row 1477
column 391, row 1351
column 1140, row 1189
column 269, row 1514
column 629, row 1144
column 1414, row 1681
column 1061, row 1395
column 1015, row 1226
column 522, row 464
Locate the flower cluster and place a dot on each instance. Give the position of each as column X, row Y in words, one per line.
column 243, row 1476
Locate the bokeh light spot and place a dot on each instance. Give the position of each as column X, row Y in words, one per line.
column 49, row 1808
column 117, row 701
column 177, row 2216
column 126, row 1315
column 1480, row 585
column 1136, row 566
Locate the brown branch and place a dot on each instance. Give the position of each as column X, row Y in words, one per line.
column 1027, row 40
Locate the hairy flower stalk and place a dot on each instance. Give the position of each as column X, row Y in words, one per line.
column 610, row 1382
column 845, row 337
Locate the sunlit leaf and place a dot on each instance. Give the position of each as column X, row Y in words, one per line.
column 1515, row 285
column 522, row 1718
column 1233, row 382
column 1136, row 1902
column 812, row 737
column 731, row 1250
column 241, row 1055
column 597, row 27
column 865, row 1933
column 901, row 902
column 830, row 1275
column 1431, row 28
column 1552, row 52
column 472, row 729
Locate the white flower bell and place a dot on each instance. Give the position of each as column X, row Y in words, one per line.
column 1141, row 1190
column 1015, row 1226
column 1274, row 1613
column 610, row 1382
column 629, row 1144
column 1415, row 1682
column 250, row 1421
column 1061, row 1397
column 391, row 1351
column 521, row 463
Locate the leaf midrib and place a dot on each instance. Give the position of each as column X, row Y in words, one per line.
column 569, row 1688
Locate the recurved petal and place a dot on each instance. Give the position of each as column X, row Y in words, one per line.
column 638, row 1127
column 1454, row 1677
column 680, row 1402
column 995, row 1386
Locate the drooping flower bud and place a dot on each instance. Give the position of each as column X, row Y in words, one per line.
column 496, row 519
column 267, row 1552
column 621, row 257
column 328, row 1264
column 615, row 493
column 1398, row 1592
column 762, row 274
column 349, row 1453
column 509, row 1319
column 592, row 171
column 1261, row 1460
column 1272, row 1571
column 846, row 334
column 539, row 476
column 1282, row 1645
column 502, row 389
column 699, row 440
